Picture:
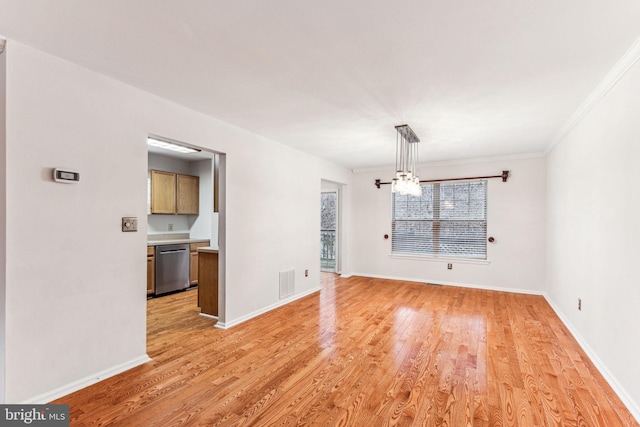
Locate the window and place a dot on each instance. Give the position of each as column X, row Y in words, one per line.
column 448, row 220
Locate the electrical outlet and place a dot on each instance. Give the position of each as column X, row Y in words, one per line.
column 306, row 273
column 449, row 266
column 170, row 227
column 579, row 304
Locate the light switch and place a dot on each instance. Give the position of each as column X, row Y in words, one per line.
column 129, row 223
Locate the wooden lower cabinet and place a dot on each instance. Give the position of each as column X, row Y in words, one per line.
column 193, row 261
column 208, row 283
column 151, row 270
column 193, row 268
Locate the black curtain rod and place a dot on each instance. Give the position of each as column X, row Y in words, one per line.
column 504, row 176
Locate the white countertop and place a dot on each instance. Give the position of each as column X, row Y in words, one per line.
column 172, row 239
column 208, row 249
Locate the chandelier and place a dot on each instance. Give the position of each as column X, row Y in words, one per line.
column 406, row 181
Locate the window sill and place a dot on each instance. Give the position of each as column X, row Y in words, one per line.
column 441, row 259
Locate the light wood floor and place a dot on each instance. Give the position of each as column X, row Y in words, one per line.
column 362, row 352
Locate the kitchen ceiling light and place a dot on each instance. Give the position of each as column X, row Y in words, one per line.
column 406, row 180
column 170, row 146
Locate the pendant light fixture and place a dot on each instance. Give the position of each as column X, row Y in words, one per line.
column 406, row 180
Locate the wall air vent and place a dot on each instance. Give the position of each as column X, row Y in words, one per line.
column 287, row 283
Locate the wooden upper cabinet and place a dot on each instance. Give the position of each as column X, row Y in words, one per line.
column 163, row 192
column 188, row 194
column 173, row 193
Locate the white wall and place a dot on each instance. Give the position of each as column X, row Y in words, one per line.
column 169, row 164
column 515, row 218
column 202, row 224
column 75, row 283
column 75, row 303
column 3, row 219
column 160, row 224
column 593, row 234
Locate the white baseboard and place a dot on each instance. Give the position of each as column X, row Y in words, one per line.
column 86, row 381
column 241, row 319
column 628, row 401
column 447, row 283
column 210, row 316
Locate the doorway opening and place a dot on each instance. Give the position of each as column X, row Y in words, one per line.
column 176, row 178
column 328, row 231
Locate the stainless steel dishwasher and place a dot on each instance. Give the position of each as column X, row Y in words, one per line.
column 172, row 268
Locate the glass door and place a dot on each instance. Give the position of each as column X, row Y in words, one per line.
column 328, row 222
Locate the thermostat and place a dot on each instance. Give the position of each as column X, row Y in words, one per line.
column 66, row 176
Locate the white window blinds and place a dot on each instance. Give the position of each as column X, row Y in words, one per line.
column 448, row 220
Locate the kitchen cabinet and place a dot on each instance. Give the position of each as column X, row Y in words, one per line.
column 188, row 194
column 151, row 270
column 194, row 261
column 163, row 192
column 208, row 281
column 174, row 193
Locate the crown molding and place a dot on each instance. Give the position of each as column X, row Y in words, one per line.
column 623, row 65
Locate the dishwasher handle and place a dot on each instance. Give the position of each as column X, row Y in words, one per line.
column 172, row 251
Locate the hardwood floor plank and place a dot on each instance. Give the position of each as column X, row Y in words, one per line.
column 361, row 352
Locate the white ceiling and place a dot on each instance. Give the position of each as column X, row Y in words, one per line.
column 472, row 78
